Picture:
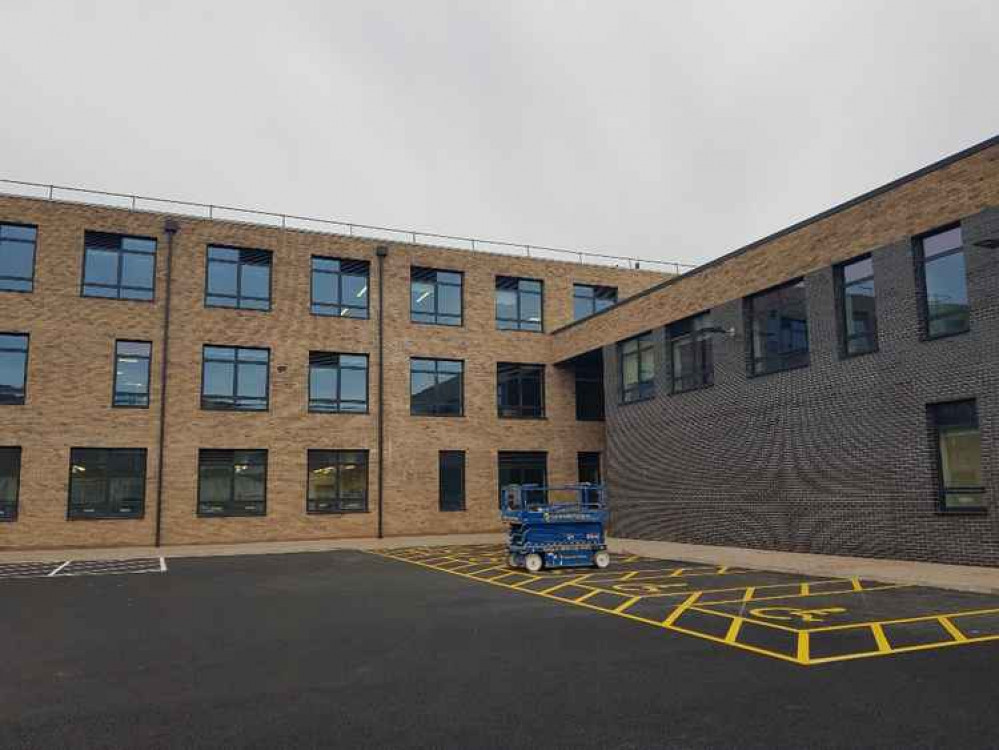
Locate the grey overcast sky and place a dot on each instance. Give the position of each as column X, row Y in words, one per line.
column 660, row 130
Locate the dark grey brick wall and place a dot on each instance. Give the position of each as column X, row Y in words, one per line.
column 835, row 458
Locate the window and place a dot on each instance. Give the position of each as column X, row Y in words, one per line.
column 338, row 482
column 339, row 287
column 587, row 300
column 519, row 304
column 238, row 278
column 435, row 296
column 522, row 467
column 940, row 263
column 436, row 387
column 232, row 482
column 638, row 368
column 589, row 372
column 10, row 482
column 131, row 373
column 235, row 378
column 520, row 390
column 452, row 480
column 959, row 445
column 779, row 322
column 107, row 482
column 338, row 382
column 691, row 353
column 855, row 283
column 17, row 258
column 588, row 465
column 13, row 367
column 118, row 267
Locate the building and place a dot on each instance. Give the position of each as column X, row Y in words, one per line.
column 831, row 388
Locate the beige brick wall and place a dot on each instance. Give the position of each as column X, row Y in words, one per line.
column 71, row 363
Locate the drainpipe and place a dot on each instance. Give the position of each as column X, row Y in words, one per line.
column 381, row 251
column 170, row 227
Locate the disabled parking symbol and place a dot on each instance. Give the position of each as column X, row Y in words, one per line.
column 788, row 614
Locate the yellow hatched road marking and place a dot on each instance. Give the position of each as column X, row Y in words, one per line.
column 804, row 589
column 951, row 628
column 748, row 596
column 681, row 608
column 803, row 647
column 921, row 618
column 856, row 584
column 624, row 605
column 879, row 638
column 629, row 576
column 733, row 630
column 587, row 595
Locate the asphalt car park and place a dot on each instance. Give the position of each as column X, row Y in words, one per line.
column 432, row 647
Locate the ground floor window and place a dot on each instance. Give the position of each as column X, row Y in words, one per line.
column 10, row 482
column 107, row 482
column 589, row 467
column 959, row 450
column 338, row 482
column 452, row 480
column 232, row 482
column 522, row 467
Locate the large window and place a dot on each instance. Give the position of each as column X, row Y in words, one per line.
column 238, row 278
column 451, row 466
column 118, row 267
column 340, row 287
column 435, row 296
column 131, row 373
column 436, row 387
column 858, row 317
column 940, row 259
column 232, row 482
column 959, row 446
column 638, row 368
column 691, row 353
column 10, row 482
column 588, row 466
column 13, row 367
column 587, row 300
column 522, row 467
column 338, row 482
column 779, row 322
column 235, row 378
column 520, row 390
column 519, row 304
column 589, row 374
column 17, row 258
column 107, row 482
column 338, row 382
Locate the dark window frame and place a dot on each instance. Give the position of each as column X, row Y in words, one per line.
column 208, row 406
column 335, row 310
column 519, row 323
column 34, row 257
column 149, row 374
column 519, row 372
column 582, row 457
column 337, row 403
column 437, row 374
column 698, row 337
column 414, row 271
column 753, row 356
column 91, row 235
column 443, row 506
column 597, row 291
column 312, row 504
column 922, row 290
column 518, row 458
column 106, row 512
column 641, row 390
column 942, row 490
column 9, row 508
column 231, row 500
column 246, row 254
column 24, row 379
column 842, row 287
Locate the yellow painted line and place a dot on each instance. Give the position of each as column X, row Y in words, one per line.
column 507, row 574
column 557, row 586
column 624, row 605
column 677, row 572
column 921, row 618
column 628, row 576
column 804, row 590
column 804, row 647
column 586, row 596
column 799, row 596
column 902, row 650
column 856, row 584
column 733, row 630
column 951, row 628
column 532, row 579
column 681, row 608
column 879, row 638
column 748, row 596
column 723, row 570
column 741, row 646
column 703, row 609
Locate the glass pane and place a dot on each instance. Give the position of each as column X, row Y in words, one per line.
column 353, row 360
column 353, row 385
column 324, row 289
column 353, row 479
column 220, row 352
column 961, row 457
column 942, row 242
column 223, row 253
column 947, row 293
column 215, row 482
column 11, row 231
column 222, row 278
column 138, row 244
column 422, row 297
column 248, row 479
column 255, row 281
column 581, row 308
column 447, row 277
column 529, row 285
column 530, row 307
column 449, row 365
column 322, row 477
column 132, row 376
column 604, row 303
column 219, row 378
column 12, row 370
column 253, row 355
column 683, row 363
column 16, row 259
column 135, row 348
column 322, row 382
column 861, row 321
column 252, row 380
column 964, row 501
column 506, row 304
column 137, row 270
column 449, row 301
column 326, row 264
column 630, row 370
column 101, row 267
column 582, row 290
column 355, row 290
column 860, row 269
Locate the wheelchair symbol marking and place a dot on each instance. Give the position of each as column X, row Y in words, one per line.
column 787, row 614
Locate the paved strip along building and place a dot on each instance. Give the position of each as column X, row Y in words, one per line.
column 831, row 388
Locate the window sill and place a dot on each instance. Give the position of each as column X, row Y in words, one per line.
column 337, row 512
column 103, row 517
column 355, row 318
column 453, row 510
column 119, row 299
column 637, row 400
column 940, row 336
column 232, row 515
column 755, row 375
column 522, row 418
column 692, row 389
column 234, row 409
column 439, row 325
column 364, row 413
column 439, row 416
column 17, row 291
column 130, row 406
column 237, row 308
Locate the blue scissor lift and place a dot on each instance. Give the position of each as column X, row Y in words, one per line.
column 555, row 527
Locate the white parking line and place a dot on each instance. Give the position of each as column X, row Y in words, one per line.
column 54, row 572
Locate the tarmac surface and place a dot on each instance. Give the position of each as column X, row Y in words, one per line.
column 421, row 648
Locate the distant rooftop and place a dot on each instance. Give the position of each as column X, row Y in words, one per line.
column 131, row 202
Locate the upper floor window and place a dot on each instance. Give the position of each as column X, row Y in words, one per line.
column 638, row 367
column 238, row 278
column 519, row 304
column 338, row 382
column 107, row 482
column 691, row 353
column 118, row 267
column 232, row 482
column 589, row 375
column 858, row 316
column 13, row 367
column 17, row 258
column 338, row 482
column 940, row 258
column 587, row 299
column 10, row 481
column 435, row 296
column 959, row 446
column 131, row 373
column 520, row 390
column 451, row 472
column 340, row 287
column 235, row 378
column 779, row 322
column 436, row 387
